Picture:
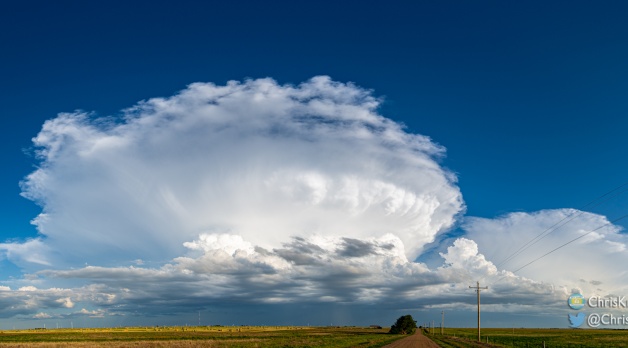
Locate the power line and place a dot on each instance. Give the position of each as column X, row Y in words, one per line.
column 537, row 239
column 594, row 203
column 569, row 242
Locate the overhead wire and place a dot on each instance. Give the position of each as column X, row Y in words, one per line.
column 594, row 203
column 569, row 242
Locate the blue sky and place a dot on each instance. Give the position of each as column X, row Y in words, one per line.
column 527, row 101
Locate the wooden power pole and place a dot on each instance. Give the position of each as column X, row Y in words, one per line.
column 478, row 289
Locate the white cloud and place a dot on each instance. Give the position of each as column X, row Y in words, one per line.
column 312, row 269
column 257, row 193
column 318, row 269
column 29, row 301
column 96, row 313
column 463, row 254
column 370, row 272
column 32, row 251
column 42, row 315
column 256, row 159
column 66, row 302
column 593, row 263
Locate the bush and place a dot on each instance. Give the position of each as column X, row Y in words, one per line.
column 405, row 325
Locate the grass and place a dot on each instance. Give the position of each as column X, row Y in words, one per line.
column 175, row 337
column 272, row 336
column 529, row 338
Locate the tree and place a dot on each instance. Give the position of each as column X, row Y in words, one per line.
column 405, row 325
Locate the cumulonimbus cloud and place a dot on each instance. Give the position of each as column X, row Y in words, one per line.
column 255, row 159
column 258, row 193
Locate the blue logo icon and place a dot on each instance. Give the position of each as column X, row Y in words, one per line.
column 576, row 320
column 576, row 301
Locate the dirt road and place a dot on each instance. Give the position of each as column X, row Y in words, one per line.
column 415, row 341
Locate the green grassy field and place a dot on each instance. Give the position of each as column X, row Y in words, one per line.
column 553, row 338
column 271, row 336
column 175, row 337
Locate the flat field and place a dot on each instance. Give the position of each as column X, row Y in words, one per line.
column 274, row 336
column 176, row 337
column 529, row 338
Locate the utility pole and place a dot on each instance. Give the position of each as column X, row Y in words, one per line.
column 442, row 322
column 478, row 289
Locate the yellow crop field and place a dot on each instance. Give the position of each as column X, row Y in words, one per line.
column 178, row 337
